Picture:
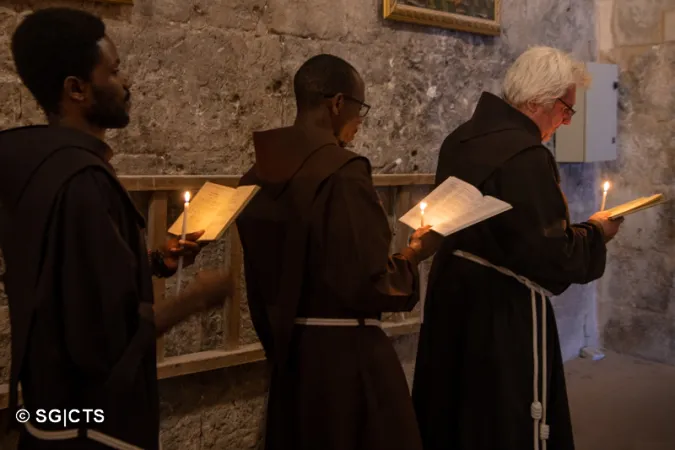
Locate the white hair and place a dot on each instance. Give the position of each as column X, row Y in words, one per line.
column 541, row 75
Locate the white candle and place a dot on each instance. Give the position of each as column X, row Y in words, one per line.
column 604, row 195
column 423, row 206
column 186, row 207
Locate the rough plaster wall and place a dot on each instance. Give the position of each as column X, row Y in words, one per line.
column 208, row 72
column 636, row 297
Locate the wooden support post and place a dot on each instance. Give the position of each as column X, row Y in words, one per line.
column 402, row 203
column 231, row 311
column 157, row 229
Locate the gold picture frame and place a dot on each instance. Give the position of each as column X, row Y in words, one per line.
column 407, row 11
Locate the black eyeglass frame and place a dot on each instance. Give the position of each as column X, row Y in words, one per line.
column 349, row 97
column 570, row 109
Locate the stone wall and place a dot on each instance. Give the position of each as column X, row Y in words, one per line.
column 636, row 297
column 209, row 72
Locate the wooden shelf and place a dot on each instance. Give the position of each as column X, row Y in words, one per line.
column 180, row 182
column 175, row 366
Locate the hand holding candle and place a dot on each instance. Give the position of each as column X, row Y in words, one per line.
column 604, row 195
column 423, row 206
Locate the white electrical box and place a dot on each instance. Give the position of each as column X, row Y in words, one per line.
column 592, row 134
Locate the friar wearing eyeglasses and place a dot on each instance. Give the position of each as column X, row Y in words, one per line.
column 319, row 274
column 489, row 372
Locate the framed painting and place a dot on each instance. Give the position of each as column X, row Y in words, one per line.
column 475, row 16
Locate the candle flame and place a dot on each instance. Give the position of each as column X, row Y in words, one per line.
column 187, row 197
column 606, row 186
column 423, row 206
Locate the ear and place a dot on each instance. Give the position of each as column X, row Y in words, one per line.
column 75, row 89
column 531, row 107
column 336, row 104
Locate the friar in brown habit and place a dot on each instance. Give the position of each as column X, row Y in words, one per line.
column 489, row 372
column 319, row 274
column 79, row 276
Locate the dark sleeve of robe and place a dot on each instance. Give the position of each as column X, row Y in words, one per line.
column 98, row 273
column 357, row 240
column 546, row 247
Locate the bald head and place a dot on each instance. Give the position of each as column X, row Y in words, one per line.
column 323, row 76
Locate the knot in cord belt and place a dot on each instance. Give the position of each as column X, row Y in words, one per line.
column 537, row 408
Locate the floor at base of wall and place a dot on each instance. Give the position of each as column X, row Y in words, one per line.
column 622, row 403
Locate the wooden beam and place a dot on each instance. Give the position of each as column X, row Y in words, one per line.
column 182, row 182
column 404, row 179
column 402, row 204
column 232, row 309
column 174, row 182
column 157, row 226
column 209, row 360
column 175, row 366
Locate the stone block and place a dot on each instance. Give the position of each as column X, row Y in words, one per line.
column 641, row 142
column 639, row 279
column 213, row 410
column 652, row 91
column 7, row 68
column 30, row 111
column 640, row 333
column 320, row 19
column 10, row 108
column 173, row 10
column 202, row 92
column 669, row 26
column 8, row 21
column 182, row 432
column 237, row 14
column 603, row 24
column 545, row 22
column 638, row 23
column 137, row 164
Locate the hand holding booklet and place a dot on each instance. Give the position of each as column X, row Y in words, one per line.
column 636, row 205
column 453, row 206
column 213, row 209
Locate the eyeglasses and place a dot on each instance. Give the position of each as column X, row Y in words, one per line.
column 569, row 108
column 364, row 106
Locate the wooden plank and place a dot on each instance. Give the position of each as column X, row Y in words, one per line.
column 403, row 179
column 157, row 226
column 175, row 366
column 174, row 182
column 232, row 311
column 182, row 182
column 209, row 360
column 402, row 204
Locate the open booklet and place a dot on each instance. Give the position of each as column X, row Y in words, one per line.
column 635, row 205
column 453, row 206
column 213, row 209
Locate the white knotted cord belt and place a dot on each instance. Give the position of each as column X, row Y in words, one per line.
column 537, row 409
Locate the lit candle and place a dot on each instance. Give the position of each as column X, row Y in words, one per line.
column 423, row 206
column 605, row 188
column 186, row 207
